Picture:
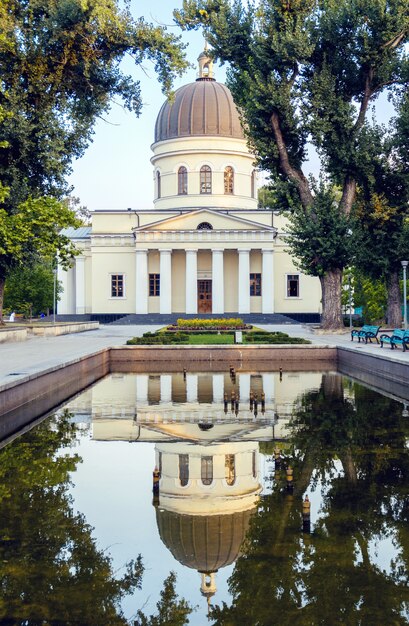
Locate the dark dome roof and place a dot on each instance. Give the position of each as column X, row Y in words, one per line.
column 203, row 542
column 202, row 108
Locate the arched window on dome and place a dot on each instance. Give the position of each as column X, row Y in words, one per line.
column 207, row 470
column 205, row 179
column 158, row 185
column 253, row 184
column 228, row 180
column 183, row 469
column 230, row 469
column 182, row 181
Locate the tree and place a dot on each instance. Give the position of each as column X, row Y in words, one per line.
column 60, row 70
column 307, row 71
column 30, row 289
column 382, row 229
column 34, row 230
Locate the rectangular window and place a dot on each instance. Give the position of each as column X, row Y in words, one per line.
column 293, row 286
column 255, row 284
column 154, row 284
column 117, row 285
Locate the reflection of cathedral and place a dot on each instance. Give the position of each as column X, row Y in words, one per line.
column 206, row 450
column 206, row 496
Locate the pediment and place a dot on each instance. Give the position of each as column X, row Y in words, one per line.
column 192, row 219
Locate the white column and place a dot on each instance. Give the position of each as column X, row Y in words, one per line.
column 268, row 387
column 191, row 387
column 244, row 387
column 244, row 281
column 217, row 281
column 218, row 387
column 80, row 284
column 65, row 303
column 166, row 388
column 165, row 299
column 142, row 388
column 141, row 303
column 267, row 282
column 191, row 281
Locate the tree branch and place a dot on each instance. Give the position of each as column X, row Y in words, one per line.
column 295, row 175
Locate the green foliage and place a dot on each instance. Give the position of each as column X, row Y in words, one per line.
column 171, row 610
column 30, row 289
column 33, row 230
column 320, row 236
column 60, row 67
column 371, row 295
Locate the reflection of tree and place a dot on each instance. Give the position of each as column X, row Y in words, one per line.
column 51, row 571
column 171, row 610
column 354, row 451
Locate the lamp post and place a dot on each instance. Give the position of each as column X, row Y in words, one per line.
column 54, row 293
column 350, row 301
column 405, row 317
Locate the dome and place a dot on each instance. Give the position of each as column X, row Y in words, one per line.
column 203, row 108
column 203, row 542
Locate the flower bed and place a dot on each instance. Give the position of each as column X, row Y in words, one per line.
column 209, row 324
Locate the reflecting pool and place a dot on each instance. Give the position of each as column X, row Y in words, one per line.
column 249, row 498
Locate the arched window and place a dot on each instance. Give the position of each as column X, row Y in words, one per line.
column 228, row 180
column 158, row 185
column 205, row 179
column 207, row 470
column 183, row 469
column 182, row 181
column 205, row 226
column 229, row 469
column 253, row 184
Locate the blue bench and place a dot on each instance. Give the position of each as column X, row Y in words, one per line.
column 398, row 337
column 366, row 333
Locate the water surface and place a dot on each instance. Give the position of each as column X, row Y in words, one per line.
column 84, row 540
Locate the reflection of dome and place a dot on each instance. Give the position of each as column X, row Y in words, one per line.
column 202, row 108
column 203, row 542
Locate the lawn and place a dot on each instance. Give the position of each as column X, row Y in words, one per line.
column 198, row 340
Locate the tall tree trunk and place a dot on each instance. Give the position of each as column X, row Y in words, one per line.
column 393, row 312
column 2, row 283
column 331, row 285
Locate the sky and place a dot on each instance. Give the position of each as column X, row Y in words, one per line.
column 115, row 171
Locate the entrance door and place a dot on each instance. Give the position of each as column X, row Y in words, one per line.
column 204, row 296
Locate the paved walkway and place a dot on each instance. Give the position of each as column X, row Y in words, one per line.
column 41, row 353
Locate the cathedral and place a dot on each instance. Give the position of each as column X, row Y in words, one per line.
column 204, row 247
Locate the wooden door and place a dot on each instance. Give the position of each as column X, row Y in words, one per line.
column 204, row 296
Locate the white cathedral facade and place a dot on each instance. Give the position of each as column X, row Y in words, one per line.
column 205, row 247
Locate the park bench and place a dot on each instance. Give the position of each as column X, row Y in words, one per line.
column 366, row 332
column 398, row 337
